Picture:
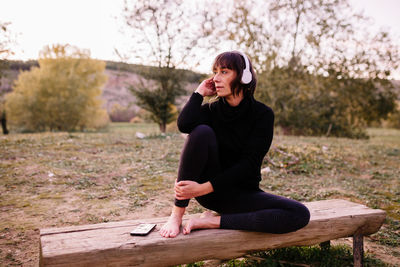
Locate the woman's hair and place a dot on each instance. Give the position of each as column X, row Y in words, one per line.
column 234, row 61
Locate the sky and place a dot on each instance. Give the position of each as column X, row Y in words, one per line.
column 96, row 24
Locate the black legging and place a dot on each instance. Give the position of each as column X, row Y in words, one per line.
column 253, row 210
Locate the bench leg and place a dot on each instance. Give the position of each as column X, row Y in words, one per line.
column 358, row 250
column 325, row 245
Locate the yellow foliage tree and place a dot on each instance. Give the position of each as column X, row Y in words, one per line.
column 62, row 94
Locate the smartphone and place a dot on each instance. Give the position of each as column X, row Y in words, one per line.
column 143, row 229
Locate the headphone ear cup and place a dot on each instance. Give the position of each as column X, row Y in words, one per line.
column 246, row 77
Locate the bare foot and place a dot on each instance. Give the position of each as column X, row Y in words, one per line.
column 172, row 226
column 208, row 213
column 207, row 220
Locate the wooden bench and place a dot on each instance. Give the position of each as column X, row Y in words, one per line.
column 110, row 244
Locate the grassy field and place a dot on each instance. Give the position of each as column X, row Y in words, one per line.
column 60, row 179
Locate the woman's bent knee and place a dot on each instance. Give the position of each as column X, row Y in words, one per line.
column 203, row 135
column 202, row 131
column 300, row 218
column 304, row 216
column 297, row 219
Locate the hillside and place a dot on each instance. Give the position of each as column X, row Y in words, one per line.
column 115, row 92
column 120, row 77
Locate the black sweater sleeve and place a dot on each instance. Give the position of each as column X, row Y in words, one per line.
column 247, row 170
column 193, row 114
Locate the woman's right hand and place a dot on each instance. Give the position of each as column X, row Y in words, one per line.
column 206, row 87
column 187, row 189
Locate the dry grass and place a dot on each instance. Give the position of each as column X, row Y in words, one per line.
column 59, row 179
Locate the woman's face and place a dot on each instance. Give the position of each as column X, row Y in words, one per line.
column 222, row 79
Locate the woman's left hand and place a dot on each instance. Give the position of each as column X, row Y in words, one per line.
column 189, row 189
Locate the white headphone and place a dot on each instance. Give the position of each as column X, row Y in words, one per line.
column 246, row 77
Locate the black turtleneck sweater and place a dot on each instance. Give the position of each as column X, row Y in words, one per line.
column 244, row 134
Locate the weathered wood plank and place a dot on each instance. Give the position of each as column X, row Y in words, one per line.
column 110, row 243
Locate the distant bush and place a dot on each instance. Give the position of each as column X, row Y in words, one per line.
column 308, row 104
column 136, row 120
column 22, row 65
column 144, row 115
column 62, row 94
column 393, row 120
column 120, row 113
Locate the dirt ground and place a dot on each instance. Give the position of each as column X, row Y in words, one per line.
column 379, row 251
column 63, row 179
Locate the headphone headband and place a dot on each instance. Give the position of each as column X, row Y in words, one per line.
column 246, row 77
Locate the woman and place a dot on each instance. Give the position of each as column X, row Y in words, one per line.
column 222, row 156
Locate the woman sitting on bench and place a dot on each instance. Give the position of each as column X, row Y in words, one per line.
column 222, row 156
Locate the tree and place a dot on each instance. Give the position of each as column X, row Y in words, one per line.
column 157, row 95
column 61, row 94
column 324, row 71
column 5, row 51
column 168, row 34
column 5, row 40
